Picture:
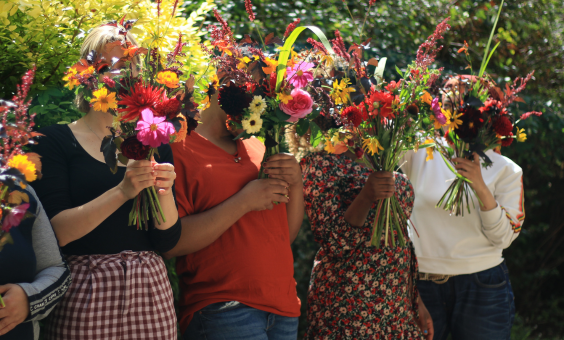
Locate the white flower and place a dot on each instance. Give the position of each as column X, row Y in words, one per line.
column 252, row 124
column 258, row 105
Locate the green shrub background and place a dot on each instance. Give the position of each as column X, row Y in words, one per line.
column 531, row 36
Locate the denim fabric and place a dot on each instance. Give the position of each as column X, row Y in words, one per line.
column 475, row 306
column 236, row 321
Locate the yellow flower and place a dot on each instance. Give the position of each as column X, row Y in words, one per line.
column 452, row 119
column 284, row 98
column 521, row 135
column 435, row 122
column 70, row 78
column 103, row 100
column 17, row 197
column 270, row 65
column 258, row 105
column 168, row 78
column 116, row 121
column 429, row 150
column 341, row 92
column 243, row 62
column 329, row 147
column 89, row 71
column 24, row 165
column 252, row 124
column 372, row 145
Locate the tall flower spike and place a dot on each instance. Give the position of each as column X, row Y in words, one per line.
column 427, row 52
column 291, row 27
column 174, row 8
column 249, row 9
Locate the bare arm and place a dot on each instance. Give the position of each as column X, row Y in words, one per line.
column 137, row 177
column 284, row 166
column 379, row 185
column 202, row 229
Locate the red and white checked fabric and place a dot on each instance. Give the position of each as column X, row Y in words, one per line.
column 125, row 296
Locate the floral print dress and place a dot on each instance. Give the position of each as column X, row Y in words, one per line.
column 356, row 291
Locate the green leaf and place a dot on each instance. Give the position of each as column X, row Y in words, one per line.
column 122, row 159
column 316, row 134
column 240, row 135
column 399, row 71
column 287, row 48
column 302, row 126
column 486, row 59
column 314, row 114
column 282, row 117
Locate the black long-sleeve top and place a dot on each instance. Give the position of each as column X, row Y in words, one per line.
column 72, row 177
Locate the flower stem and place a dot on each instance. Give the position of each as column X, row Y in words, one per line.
column 2, row 304
column 158, row 204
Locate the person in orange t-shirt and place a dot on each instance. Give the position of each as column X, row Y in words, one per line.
column 234, row 258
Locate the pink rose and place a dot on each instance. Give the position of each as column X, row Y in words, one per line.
column 299, row 107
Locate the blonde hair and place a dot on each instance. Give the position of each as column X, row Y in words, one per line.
column 96, row 40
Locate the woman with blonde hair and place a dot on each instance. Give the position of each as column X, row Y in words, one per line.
column 120, row 288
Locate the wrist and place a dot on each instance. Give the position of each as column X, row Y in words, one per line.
column 120, row 194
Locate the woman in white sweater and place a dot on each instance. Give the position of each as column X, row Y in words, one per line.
column 464, row 281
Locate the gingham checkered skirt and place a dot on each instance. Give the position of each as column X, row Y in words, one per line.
column 119, row 297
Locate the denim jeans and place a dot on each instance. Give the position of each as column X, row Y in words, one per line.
column 236, row 321
column 475, row 306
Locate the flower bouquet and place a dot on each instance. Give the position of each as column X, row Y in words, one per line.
column 150, row 104
column 17, row 168
column 379, row 122
column 477, row 120
column 262, row 92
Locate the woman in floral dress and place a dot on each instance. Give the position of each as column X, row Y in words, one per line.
column 357, row 291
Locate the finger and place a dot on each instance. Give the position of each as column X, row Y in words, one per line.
column 279, row 156
column 277, row 171
column 282, row 163
column 139, row 170
column 462, row 161
column 142, row 178
column 162, row 191
column 164, row 174
column 4, row 289
column 164, row 184
column 383, row 174
column 276, row 182
column 476, row 158
column 163, row 166
column 6, row 325
column 270, row 206
column 281, row 199
column 463, row 173
column 4, row 312
column 280, row 189
column 139, row 164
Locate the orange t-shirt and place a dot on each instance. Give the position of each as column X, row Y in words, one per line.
column 252, row 261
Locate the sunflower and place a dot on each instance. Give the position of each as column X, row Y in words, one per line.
column 168, row 78
column 453, row 121
column 258, row 105
column 24, row 165
column 372, row 145
column 252, row 124
column 103, row 101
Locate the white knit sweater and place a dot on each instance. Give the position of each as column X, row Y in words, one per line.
column 454, row 245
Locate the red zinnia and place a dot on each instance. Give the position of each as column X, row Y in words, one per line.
column 380, row 102
column 503, row 126
column 353, row 115
column 448, row 139
column 169, row 107
column 140, row 98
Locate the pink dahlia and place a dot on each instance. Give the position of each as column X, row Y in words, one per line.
column 153, row 131
column 300, row 74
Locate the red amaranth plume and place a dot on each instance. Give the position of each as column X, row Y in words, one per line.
column 159, row 7
column 360, row 71
column 174, row 8
column 339, row 46
column 177, row 52
column 291, row 27
column 427, row 52
column 511, row 92
column 528, row 114
column 249, row 9
column 317, row 45
column 224, row 26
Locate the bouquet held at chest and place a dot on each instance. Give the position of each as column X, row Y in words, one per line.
column 17, row 168
column 262, row 86
column 379, row 121
column 150, row 99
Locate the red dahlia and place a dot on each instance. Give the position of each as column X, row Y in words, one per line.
column 503, row 126
column 380, row 102
column 168, row 107
column 140, row 98
column 448, row 139
column 234, row 99
column 353, row 115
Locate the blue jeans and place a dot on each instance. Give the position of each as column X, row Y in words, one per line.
column 236, row 321
column 475, row 306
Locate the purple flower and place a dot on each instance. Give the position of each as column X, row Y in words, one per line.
column 153, row 131
column 14, row 217
column 300, row 74
column 437, row 110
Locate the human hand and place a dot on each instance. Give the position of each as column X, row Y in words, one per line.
column 284, row 166
column 138, row 176
column 259, row 194
column 471, row 169
column 425, row 322
column 16, row 310
column 380, row 185
column 165, row 176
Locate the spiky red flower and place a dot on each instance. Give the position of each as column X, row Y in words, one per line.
column 168, row 107
column 528, row 114
column 503, row 126
column 249, row 9
column 291, row 27
column 339, row 46
column 317, row 45
column 141, row 97
column 353, row 115
column 427, row 52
